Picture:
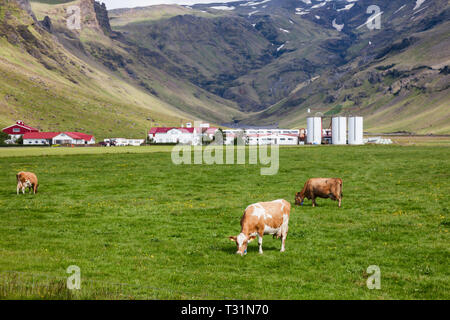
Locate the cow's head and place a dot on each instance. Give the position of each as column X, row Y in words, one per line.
column 241, row 242
column 299, row 199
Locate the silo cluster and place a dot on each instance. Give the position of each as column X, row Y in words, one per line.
column 339, row 127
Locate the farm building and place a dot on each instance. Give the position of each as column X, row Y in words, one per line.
column 231, row 134
column 264, row 136
column 51, row 138
column 121, row 142
column 272, row 136
column 18, row 129
column 180, row 135
column 171, row 135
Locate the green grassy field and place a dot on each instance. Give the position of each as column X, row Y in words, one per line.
column 140, row 227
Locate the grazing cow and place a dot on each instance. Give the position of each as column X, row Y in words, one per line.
column 263, row 218
column 320, row 188
column 26, row 180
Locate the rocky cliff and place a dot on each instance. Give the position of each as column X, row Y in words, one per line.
column 102, row 17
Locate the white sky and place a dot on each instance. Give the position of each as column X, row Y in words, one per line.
column 114, row 4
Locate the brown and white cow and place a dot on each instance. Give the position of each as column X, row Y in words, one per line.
column 320, row 188
column 26, row 180
column 263, row 218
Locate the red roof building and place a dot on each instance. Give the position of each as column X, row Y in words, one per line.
column 50, row 138
column 40, row 135
column 18, row 129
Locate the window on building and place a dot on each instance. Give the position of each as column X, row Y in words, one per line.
column 16, row 129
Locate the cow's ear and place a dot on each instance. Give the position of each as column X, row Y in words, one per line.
column 251, row 238
column 232, row 238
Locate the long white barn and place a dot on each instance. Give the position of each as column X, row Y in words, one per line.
column 263, row 136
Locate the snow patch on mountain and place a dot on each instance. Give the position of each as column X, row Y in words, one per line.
column 319, row 5
column 254, row 3
column 347, row 7
column 300, row 11
column 223, row 8
column 403, row 6
column 418, row 4
column 338, row 27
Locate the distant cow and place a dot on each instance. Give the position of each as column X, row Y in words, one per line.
column 263, row 218
column 26, row 180
column 320, row 188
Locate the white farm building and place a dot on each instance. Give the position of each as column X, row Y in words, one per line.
column 51, row 138
column 264, row 136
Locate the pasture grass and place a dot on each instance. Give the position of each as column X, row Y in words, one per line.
column 140, row 227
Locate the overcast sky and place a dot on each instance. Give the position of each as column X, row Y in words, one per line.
column 114, row 4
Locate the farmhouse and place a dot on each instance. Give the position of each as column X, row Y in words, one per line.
column 18, row 129
column 51, row 138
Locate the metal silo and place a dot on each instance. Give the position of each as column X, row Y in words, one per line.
column 339, row 130
column 355, row 130
column 314, row 127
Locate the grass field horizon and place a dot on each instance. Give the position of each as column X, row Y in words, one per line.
column 132, row 217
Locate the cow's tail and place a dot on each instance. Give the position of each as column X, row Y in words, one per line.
column 341, row 184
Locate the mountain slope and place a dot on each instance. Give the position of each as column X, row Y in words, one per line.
column 263, row 62
column 133, row 62
column 48, row 87
column 278, row 58
column 396, row 77
column 58, row 79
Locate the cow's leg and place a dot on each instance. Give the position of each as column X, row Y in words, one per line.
column 283, row 242
column 340, row 199
column 284, row 231
column 260, row 240
column 314, row 202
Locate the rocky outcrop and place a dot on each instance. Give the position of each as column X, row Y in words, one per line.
column 102, row 17
column 47, row 24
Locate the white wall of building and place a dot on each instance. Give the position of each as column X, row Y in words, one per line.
column 36, row 142
column 121, row 142
column 63, row 138
column 174, row 136
column 264, row 136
